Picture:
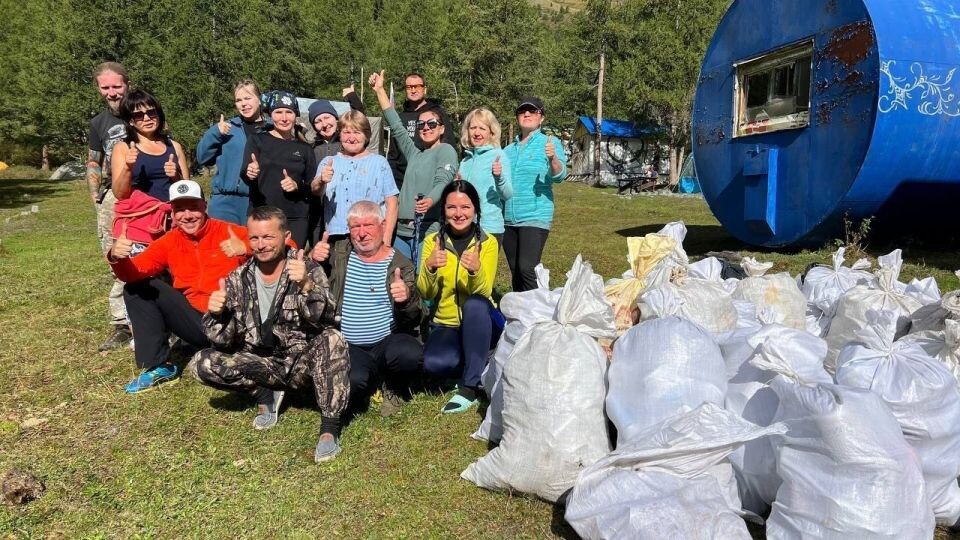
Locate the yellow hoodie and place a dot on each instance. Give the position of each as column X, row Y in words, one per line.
column 452, row 284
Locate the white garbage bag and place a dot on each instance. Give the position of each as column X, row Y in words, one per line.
column 522, row 310
column 847, row 472
column 660, row 367
column 944, row 345
column 749, row 397
column 705, row 303
column 553, row 390
column 923, row 396
column 926, row 291
column 823, row 285
column 932, row 316
column 778, row 292
column 853, row 306
column 661, row 485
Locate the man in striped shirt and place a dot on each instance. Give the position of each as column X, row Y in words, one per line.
column 378, row 306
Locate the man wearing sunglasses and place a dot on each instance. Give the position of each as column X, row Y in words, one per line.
column 106, row 129
column 417, row 102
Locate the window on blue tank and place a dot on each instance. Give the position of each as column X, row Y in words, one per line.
column 773, row 91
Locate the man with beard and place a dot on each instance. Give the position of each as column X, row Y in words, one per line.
column 197, row 253
column 417, row 102
column 106, row 129
column 272, row 326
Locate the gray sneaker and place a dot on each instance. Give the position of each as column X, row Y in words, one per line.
column 118, row 339
column 326, row 449
column 392, row 402
column 268, row 408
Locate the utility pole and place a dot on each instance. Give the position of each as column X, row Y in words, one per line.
column 596, row 145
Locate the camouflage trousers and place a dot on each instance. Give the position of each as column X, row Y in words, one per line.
column 118, row 311
column 323, row 365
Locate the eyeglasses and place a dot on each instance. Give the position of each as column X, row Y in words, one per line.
column 414, row 86
column 429, row 124
column 138, row 116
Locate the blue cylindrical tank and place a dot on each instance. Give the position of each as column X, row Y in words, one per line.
column 810, row 110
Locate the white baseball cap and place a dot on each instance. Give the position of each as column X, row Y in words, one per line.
column 185, row 189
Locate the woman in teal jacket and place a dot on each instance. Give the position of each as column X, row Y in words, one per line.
column 537, row 162
column 223, row 144
column 486, row 167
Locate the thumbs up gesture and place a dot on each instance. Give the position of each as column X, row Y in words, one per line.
column 288, row 184
column 253, row 168
column 376, row 80
column 398, row 289
column 471, row 259
column 438, row 259
column 223, row 126
column 549, row 149
column 233, row 246
column 321, row 251
column 297, row 269
column 217, row 299
column 497, row 167
column 170, row 167
column 122, row 246
column 326, row 176
column 132, row 155
column 348, row 90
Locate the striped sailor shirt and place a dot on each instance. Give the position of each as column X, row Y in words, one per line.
column 367, row 311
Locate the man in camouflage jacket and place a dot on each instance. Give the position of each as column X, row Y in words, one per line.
column 272, row 329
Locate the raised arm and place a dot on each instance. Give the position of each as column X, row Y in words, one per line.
column 406, row 145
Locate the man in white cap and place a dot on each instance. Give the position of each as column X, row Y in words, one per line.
column 197, row 253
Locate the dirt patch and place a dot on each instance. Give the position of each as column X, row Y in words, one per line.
column 20, row 487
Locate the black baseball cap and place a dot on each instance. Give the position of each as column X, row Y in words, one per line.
column 531, row 101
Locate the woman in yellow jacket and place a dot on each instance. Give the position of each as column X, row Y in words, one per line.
column 458, row 266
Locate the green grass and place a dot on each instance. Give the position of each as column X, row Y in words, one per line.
column 183, row 461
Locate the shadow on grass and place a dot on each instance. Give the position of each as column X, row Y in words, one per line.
column 558, row 524
column 19, row 193
column 230, row 401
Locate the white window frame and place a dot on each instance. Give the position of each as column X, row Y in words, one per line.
column 768, row 63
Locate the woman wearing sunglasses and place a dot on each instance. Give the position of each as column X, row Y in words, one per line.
column 537, row 162
column 487, row 167
column 279, row 164
column 223, row 145
column 457, row 270
column 148, row 160
column 428, row 171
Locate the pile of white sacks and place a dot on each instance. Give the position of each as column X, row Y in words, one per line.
column 830, row 404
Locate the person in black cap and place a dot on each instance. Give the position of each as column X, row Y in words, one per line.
column 537, row 161
column 279, row 165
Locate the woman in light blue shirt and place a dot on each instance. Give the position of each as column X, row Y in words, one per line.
column 486, row 167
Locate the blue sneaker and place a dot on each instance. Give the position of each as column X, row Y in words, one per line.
column 152, row 377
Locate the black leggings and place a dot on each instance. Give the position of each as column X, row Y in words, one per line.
column 523, row 247
column 155, row 308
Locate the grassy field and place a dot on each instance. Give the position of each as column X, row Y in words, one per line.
column 183, row 461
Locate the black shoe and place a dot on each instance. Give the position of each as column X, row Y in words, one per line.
column 119, row 338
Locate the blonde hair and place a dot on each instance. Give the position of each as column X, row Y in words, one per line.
column 248, row 85
column 357, row 120
column 482, row 115
column 111, row 66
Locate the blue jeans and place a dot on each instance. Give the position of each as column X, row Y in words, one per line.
column 462, row 351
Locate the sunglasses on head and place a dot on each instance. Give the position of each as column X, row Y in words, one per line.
column 138, row 116
column 429, row 124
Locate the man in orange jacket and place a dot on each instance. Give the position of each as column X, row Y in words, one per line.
column 196, row 253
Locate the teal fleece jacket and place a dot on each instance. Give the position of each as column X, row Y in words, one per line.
column 477, row 168
column 428, row 172
column 532, row 202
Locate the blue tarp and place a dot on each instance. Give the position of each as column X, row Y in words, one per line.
column 619, row 128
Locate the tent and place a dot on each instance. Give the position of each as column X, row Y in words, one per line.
column 626, row 149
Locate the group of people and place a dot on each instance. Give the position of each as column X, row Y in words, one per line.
column 316, row 265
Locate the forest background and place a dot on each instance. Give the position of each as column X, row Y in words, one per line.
column 190, row 53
